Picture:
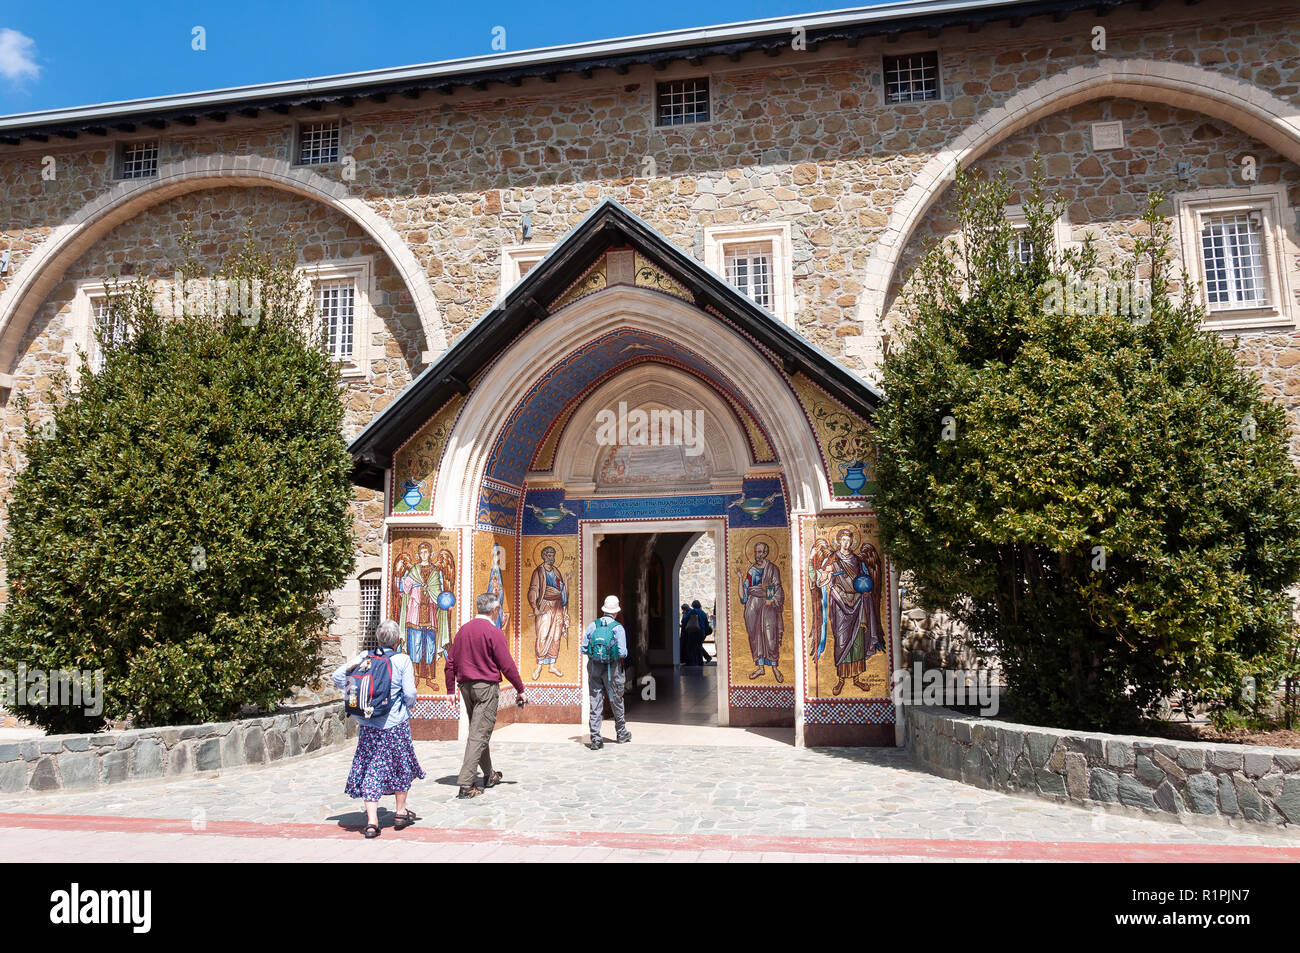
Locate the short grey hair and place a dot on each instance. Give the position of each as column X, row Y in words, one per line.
column 487, row 603
column 387, row 634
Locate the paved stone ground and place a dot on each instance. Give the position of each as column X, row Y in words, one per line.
column 631, row 802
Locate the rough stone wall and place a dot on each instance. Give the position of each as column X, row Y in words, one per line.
column 79, row 762
column 697, row 579
column 803, row 138
column 1150, row 776
column 1104, row 192
column 219, row 220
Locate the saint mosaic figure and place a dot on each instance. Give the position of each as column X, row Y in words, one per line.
column 763, row 597
column 426, row 600
column 497, row 586
column 843, row 587
column 548, row 594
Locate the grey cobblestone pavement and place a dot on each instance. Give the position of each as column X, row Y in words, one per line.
column 846, row 793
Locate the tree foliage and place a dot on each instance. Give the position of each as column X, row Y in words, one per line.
column 179, row 522
column 1100, row 494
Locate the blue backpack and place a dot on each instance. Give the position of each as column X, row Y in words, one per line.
column 370, row 686
column 603, row 646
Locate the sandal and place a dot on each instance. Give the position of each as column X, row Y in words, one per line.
column 470, row 791
column 403, row 821
column 372, row 831
column 492, row 781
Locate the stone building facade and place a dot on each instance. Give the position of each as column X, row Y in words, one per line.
column 815, row 152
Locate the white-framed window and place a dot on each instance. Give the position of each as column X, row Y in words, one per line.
column 682, row 101
column 318, row 142
column 1024, row 248
column 748, row 268
column 756, row 260
column 340, row 292
column 517, row 261
column 91, row 313
column 137, row 160
column 1235, row 246
column 912, row 77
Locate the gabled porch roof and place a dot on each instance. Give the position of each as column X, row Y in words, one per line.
column 609, row 225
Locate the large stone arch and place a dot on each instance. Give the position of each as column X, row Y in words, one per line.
column 1256, row 112
column 42, row 272
column 523, row 363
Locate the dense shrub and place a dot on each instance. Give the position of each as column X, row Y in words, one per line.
column 1100, row 494
column 180, row 521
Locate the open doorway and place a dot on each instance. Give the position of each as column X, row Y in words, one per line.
column 643, row 570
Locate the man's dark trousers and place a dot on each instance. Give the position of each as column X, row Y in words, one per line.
column 480, row 700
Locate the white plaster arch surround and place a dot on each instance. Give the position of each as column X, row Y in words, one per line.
column 646, row 385
column 44, row 269
column 1250, row 108
column 495, row 395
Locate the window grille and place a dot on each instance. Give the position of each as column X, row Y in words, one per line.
column 681, row 102
column 110, row 330
column 369, row 612
column 318, row 142
column 336, row 302
column 1233, row 256
column 911, row 78
column 139, row 160
column 749, row 271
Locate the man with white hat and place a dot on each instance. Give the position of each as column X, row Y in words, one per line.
column 605, row 645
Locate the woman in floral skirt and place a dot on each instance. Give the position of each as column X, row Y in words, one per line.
column 385, row 761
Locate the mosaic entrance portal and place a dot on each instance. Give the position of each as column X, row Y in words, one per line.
column 775, row 465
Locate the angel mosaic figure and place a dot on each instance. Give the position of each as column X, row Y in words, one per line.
column 426, row 601
column 844, row 586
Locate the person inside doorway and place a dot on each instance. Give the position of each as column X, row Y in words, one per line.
column 605, row 645
column 695, row 626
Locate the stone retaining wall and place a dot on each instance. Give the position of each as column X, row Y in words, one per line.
column 1194, row 781
column 80, row 762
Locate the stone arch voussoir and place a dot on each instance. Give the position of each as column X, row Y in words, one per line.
column 43, row 271
column 1256, row 112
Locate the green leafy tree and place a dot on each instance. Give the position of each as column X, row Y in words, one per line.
column 1091, row 485
column 181, row 519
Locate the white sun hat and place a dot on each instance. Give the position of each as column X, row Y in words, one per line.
column 611, row 606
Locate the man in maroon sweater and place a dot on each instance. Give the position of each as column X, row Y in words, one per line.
column 477, row 658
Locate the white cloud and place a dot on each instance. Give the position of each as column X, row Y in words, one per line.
column 17, row 56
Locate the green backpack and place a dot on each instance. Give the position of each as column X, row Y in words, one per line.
column 603, row 646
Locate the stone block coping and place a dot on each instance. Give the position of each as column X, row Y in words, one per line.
column 82, row 762
column 1187, row 781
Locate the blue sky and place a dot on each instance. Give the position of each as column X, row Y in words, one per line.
column 56, row 53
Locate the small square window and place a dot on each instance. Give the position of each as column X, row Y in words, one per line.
column 1232, row 256
column 336, row 307
column 138, row 160
column 749, row 271
column 318, row 143
column 680, row 102
column 912, row 77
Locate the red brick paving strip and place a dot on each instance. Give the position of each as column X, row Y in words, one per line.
column 1086, row 851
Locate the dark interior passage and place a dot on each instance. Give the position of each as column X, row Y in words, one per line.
column 639, row 569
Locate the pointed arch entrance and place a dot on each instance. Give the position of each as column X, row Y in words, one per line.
column 637, row 394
